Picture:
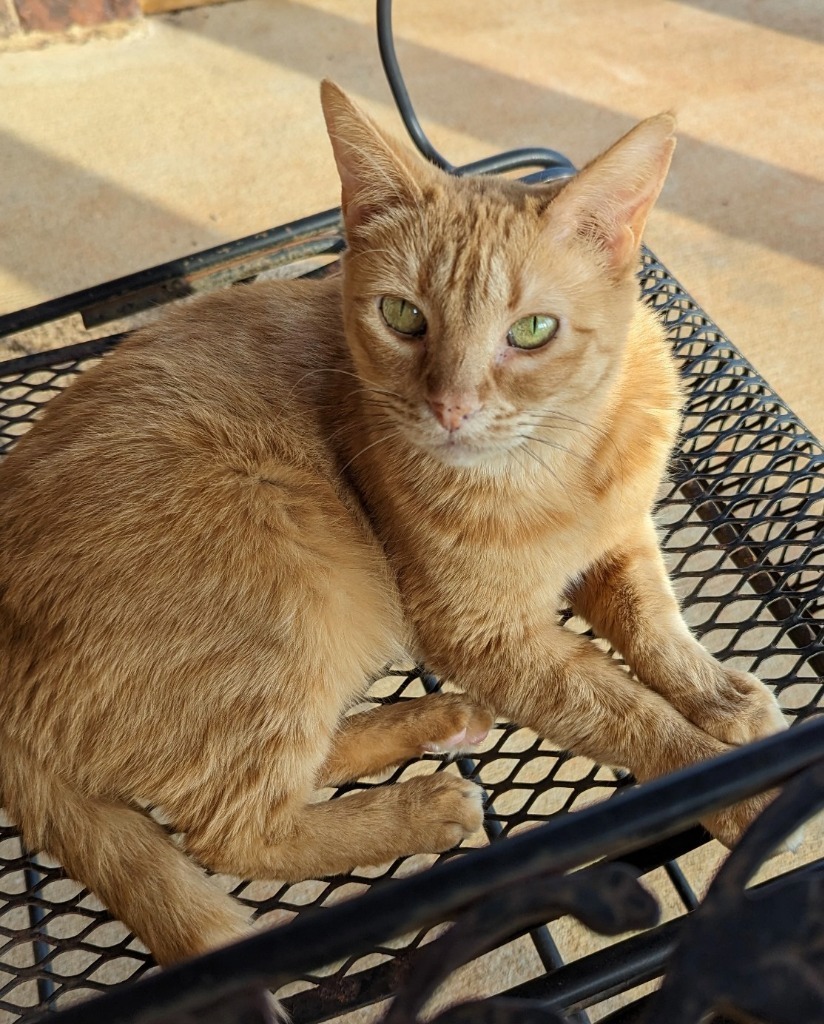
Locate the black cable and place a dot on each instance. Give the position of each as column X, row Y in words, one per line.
column 386, row 45
column 519, row 157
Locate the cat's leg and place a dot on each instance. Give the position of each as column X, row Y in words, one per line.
column 567, row 690
column 262, row 821
column 427, row 814
column 390, row 734
column 628, row 599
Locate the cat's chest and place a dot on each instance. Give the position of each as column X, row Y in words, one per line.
column 516, row 549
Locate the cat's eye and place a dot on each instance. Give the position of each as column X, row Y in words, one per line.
column 402, row 316
column 532, row 331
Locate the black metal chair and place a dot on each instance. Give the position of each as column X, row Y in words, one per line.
column 743, row 531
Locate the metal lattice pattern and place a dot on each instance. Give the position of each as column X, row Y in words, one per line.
column 742, row 521
column 744, row 517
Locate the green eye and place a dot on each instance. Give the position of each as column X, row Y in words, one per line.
column 402, row 316
column 532, row 331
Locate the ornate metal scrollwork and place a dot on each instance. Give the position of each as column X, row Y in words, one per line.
column 248, row 1007
column 605, row 897
column 754, row 955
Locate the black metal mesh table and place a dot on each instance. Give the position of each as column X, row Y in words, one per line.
column 742, row 524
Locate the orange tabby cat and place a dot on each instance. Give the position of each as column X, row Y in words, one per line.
column 215, row 537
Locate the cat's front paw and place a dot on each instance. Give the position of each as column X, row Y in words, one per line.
column 453, row 725
column 729, row 824
column 745, row 710
column 444, row 808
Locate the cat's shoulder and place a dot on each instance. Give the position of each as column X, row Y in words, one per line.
column 210, row 364
column 223, row 324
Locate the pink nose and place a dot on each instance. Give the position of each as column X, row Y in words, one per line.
column 451, row 412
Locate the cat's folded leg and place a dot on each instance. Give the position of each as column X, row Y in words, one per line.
column 124, row 856
column 390, row 734
column 427, row 814
column 567, row 690
column 628, row 599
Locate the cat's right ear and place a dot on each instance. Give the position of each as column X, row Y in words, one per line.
column 375, row 172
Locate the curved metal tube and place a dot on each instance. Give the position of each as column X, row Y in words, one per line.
column 386, row 45
column 389, row 59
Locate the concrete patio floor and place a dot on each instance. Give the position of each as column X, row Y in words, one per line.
column 151, row 141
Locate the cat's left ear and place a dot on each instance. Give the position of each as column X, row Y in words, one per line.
column 607, row 204
column 376, row 173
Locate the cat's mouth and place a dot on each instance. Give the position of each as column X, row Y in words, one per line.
column 477, row 444
column 463, row 450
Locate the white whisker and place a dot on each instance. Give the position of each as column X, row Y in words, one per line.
column 366, row 448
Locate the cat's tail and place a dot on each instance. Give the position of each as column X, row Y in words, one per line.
column 123, row 857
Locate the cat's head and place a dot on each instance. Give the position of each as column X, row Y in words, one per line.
column 482, row 312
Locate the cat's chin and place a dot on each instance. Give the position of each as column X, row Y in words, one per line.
column 468, row 456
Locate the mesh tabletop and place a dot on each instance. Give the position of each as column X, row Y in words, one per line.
column 741, row 521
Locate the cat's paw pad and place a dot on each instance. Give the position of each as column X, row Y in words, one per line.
column 456, row 726
column 456, row 742
column 751, row 712
column 446, row 808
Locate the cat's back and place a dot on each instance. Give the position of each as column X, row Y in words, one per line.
column 199, row 438
column 174, row 529
column 242, row 362
column 231, row 379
